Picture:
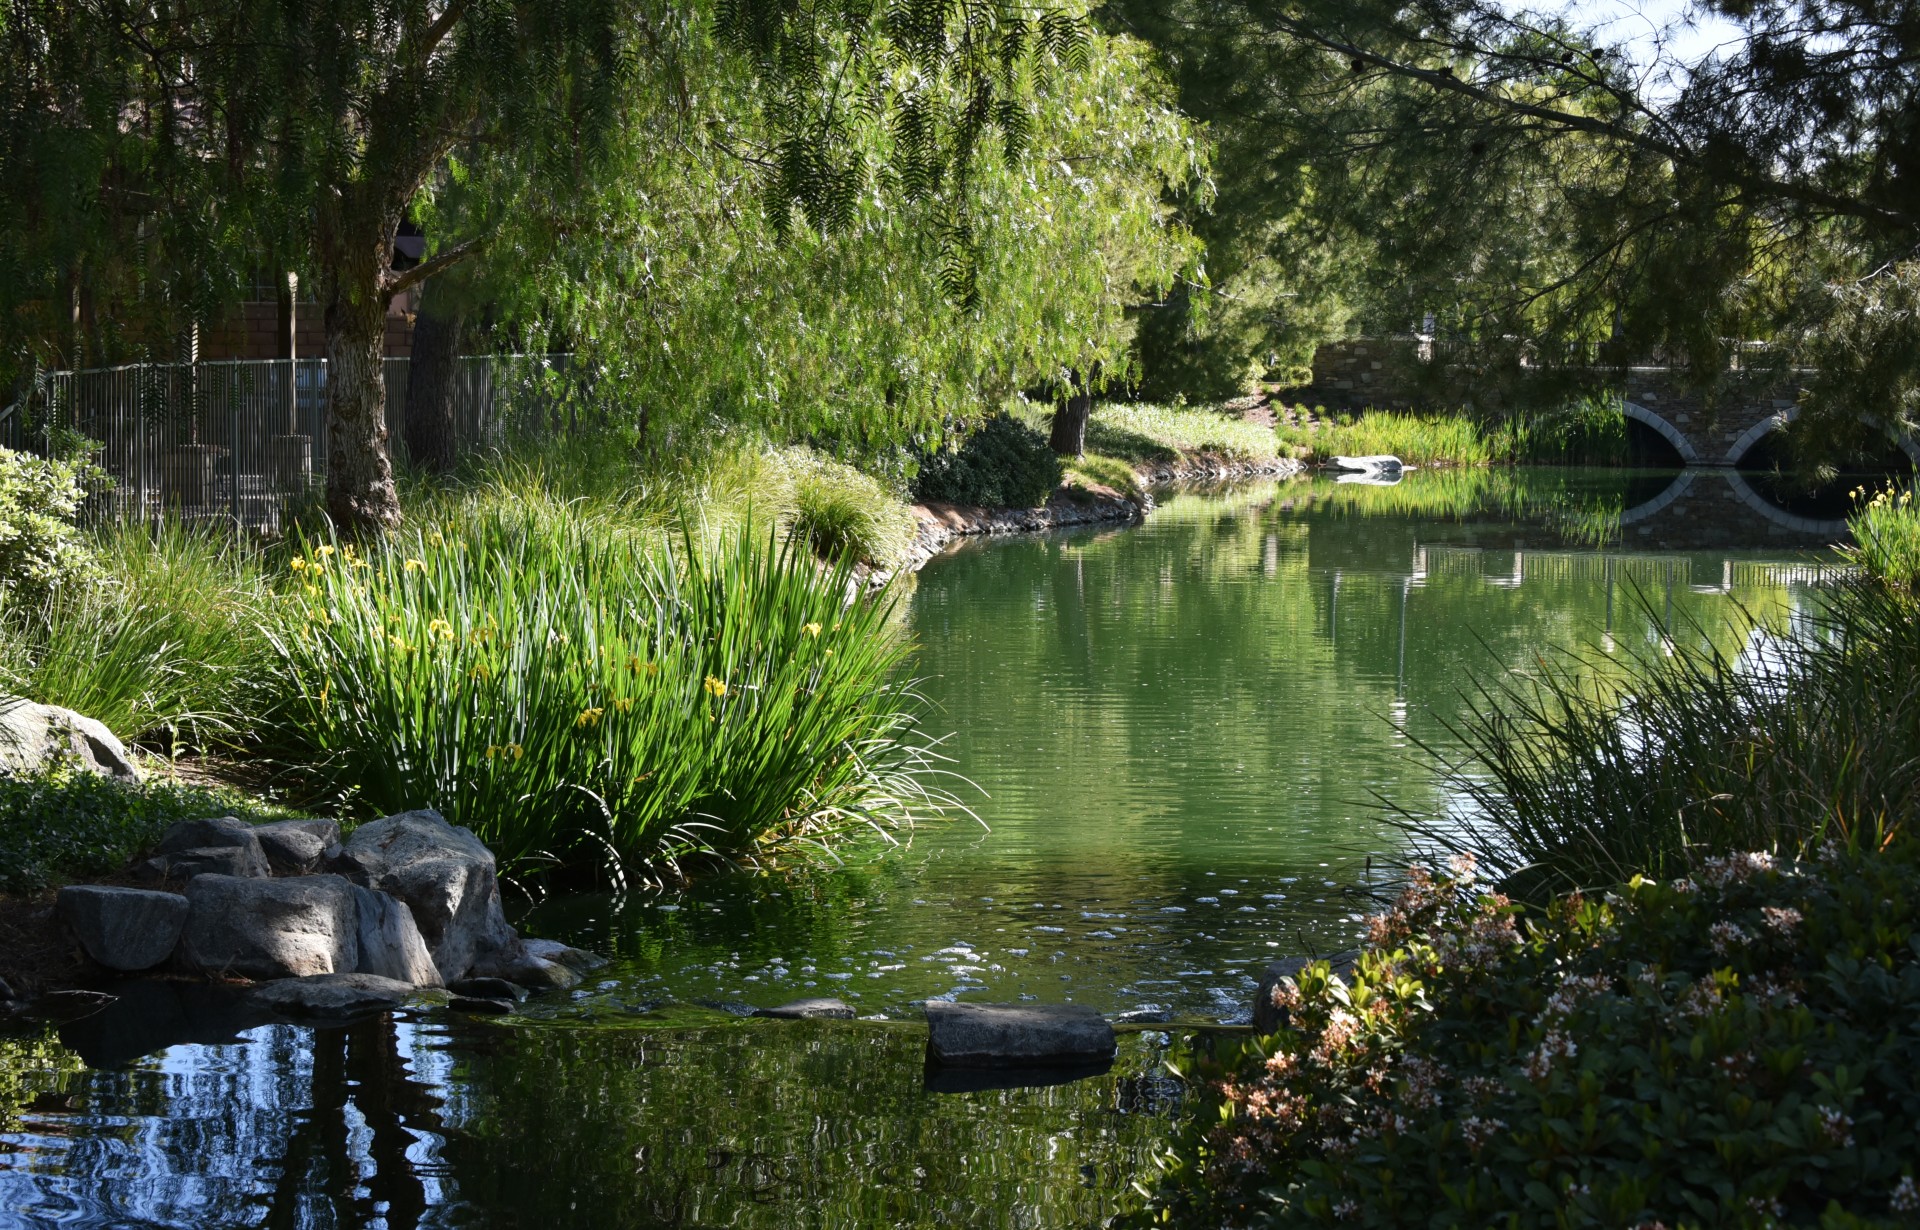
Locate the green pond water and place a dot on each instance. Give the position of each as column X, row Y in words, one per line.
column 1182, row 734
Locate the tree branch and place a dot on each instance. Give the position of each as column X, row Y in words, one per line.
column 392, row 283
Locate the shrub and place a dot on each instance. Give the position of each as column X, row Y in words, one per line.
column 167, row 638
column 39, row 545
column 1004, row 464
column 66, row 823
column 572, row 697
column 1576, row 784
column 837, row 511
column 1734, row 1049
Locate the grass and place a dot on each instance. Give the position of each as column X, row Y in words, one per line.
column 574, row 695
column 164, row 642
column 1585, row 432
column 1148, row 435
column 1571, row 784
column 1093, row 470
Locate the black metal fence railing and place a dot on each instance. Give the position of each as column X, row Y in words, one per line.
column 242, row 440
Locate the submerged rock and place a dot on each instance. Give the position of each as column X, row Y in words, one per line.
column 481, row 1005
column 264, row 928
column 124, row 929
column 486, row 988
column 447, row 878
column 1016, row 1035
column 810, row 1010
column 34, row 736
column 517, row 963
column 332, row 996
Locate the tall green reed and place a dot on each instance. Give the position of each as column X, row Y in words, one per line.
column 1565, row 782
column 579, row 697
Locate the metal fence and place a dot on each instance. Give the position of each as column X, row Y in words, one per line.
column 242, row 440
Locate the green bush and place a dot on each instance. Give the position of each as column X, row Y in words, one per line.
column 837, row 510
column 576, row 697
column 65, row 823
column 1738, row 1049
column 1004, row 464
column 39, row 545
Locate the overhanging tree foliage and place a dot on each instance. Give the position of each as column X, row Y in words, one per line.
column 201, row 136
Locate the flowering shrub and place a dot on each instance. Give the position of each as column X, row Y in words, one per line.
column 572, row 696
column 39, row 545
column 1740, row 1048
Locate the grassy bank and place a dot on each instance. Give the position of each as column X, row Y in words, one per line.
column 1582, row 433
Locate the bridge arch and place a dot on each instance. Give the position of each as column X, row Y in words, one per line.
column 1655, row 506
column 1780, row 516
column 1673, row 435
column 1774, row 422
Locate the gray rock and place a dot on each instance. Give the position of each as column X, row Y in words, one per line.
column 579, row 960
column 446, row 876
column 34, row 736
column 265, row 928
column 332, row 996
column 514, row 963
column 291, row 852
column 1016, row 1035
column 1269, row 1016
column 125, row 929
column 811, row 1010
column 180, row 866
column 390, row 943
column 1144, row 1016
column 486, row 988
column 211, row 834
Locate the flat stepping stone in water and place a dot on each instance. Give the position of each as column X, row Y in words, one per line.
column 1016, row 1035
column 333, row 996
column 811, row 1010
column 486, row 988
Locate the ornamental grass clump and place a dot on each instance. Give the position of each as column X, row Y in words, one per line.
column 1738, row 1047
column 578, row 698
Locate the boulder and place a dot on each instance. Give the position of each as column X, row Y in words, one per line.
column 124, row 929
column 446, row 876
column 34, row 736
column 210, row 834
column 579, row 960
column 297, row 847
column 390, row 943
column 332, row 996
column 1269, row 1016
column 1016, row 1035
column 811, row 1010
column 245, row 861
column 265, row 928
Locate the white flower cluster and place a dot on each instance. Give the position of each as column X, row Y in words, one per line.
column 1732, row 868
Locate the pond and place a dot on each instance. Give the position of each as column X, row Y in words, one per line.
column 1184, row 737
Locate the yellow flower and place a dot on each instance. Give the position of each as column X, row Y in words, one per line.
column 434, row 539
column 298, row 564
column 812, row 629
column 323, row 549
column 440, row 628
column 482, row 672
column 414, row 565
column 313, row 591
column 716, row 687
column 360, row 563
column 399, row 645
column 481, row 636
column 624, row 704
column 589, row 717
column 513, row 750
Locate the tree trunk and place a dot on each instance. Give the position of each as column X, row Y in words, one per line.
column 360, row 494
column 1069, row 436
column 432, row 434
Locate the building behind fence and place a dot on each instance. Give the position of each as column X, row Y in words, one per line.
column 242, row 441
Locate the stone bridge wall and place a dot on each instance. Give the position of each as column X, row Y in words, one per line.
column 1395, row 373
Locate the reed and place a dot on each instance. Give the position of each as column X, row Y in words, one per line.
column 1886, row 534
column 1568, row 783
column 577, row 697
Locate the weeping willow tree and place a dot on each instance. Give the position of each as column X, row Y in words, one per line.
column 887, row 317
column 156, row 153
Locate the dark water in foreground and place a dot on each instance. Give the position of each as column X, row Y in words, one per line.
column 1183, row 731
